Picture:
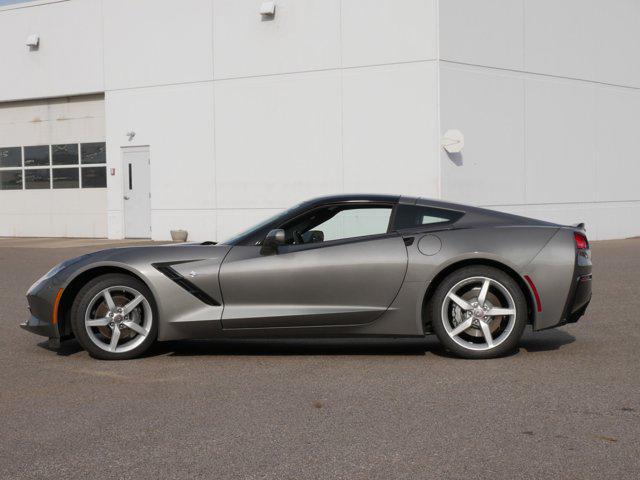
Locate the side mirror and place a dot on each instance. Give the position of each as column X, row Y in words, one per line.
column 272, row 241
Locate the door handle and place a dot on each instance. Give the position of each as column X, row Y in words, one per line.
column 126, row 198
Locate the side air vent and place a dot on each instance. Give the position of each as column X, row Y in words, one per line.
column 167, row 270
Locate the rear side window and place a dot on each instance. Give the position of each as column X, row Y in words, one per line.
column 413, row 216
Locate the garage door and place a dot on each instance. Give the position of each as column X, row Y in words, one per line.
column 53, row 173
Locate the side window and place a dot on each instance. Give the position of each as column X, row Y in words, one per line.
column 338, row 222
column 356, row 222
column 413, row 216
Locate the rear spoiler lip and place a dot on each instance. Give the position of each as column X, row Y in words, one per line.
column 579, row 226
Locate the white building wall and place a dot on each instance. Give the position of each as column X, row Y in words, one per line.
column 546, row 93
column 69, row 58
column 245, row 116
column 329, row 96
column 176, row 122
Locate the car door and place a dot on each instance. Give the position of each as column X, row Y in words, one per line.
column 348, row 275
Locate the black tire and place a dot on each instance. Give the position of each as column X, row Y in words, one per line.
column 83, row 300
column 435, row 312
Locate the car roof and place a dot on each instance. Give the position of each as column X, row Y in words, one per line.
column 351, row 197
column 474, row 216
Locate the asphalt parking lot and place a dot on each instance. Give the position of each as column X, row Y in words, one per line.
column 566, row 405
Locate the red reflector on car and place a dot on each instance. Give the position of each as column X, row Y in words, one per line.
column 535, row 292
column 581, row 241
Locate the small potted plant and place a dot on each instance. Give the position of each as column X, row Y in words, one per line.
column 179, row 236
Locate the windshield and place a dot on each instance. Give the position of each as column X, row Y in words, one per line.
column 256, row 228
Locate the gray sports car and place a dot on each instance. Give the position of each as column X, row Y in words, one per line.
column 336, row 266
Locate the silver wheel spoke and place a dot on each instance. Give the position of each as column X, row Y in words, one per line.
column 115, row 336
column 462, row 327
column 494, row 312
column 110, row 303
column 136, row 328
column 482, row 297
column 486, row 331
column 462, row 303
column 128, row 308
column 98, row 322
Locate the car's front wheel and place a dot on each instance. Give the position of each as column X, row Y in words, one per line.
column 478, row 312
column 114, row 317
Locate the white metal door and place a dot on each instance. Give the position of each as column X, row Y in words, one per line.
column 137, row 192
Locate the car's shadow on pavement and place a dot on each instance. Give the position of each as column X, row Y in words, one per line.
column 531, row 342
column 545, row 341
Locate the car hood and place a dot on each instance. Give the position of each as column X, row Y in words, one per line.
column 137, row 259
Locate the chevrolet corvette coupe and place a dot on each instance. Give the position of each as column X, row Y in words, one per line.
column 336, row 266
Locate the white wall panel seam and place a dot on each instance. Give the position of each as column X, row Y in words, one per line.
column 539, row 75
column 213, row 122
column 218, row 80
column 21, row 6
column 438, row 154
column 341, row 93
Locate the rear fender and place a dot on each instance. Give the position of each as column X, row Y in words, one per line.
column 552, row 273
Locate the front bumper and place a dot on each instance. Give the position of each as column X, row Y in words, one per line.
column 41, row 298
column 34, row 325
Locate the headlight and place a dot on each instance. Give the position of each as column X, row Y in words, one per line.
column 55, row 270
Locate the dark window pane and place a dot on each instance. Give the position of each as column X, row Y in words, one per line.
column 11, row 180
column 93, row 153
column 36, row 156
column 36, row 178
column 64, row 154
column 413, row 216
column 94, row 177
column 10, row 157
column 65, row 178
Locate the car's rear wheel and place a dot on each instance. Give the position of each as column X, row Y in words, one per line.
column 114, row 317
column 478, row 312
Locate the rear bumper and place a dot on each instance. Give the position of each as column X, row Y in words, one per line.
column 562, row 276
column 577, row 306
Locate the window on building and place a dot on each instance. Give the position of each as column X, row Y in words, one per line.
column 67, row 166
column 92, row 153
column 414, row 216
column 37, row 178
column 64, row 154
column 94, row 177
column 10, row 157
column 36, row 156
column 10, row 179
column 65, row 177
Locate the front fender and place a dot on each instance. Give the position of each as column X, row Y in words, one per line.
column 181, row 314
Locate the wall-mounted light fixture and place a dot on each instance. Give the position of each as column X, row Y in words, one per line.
column 33, row 41
column 453, row 141
column 268, row 8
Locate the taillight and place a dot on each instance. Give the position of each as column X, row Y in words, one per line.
column 581, row 241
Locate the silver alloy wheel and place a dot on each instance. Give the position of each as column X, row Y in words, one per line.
column 478, row 313
column 118, row 319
